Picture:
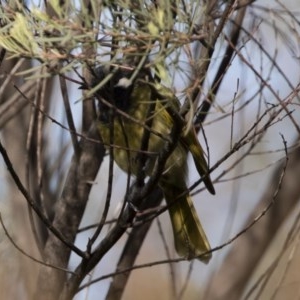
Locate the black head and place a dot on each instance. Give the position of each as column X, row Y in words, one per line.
column 116, row 91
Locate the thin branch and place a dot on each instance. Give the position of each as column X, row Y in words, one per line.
column 135, row 196
column 223, row 67
column 243, row 253
column 108, row 192
column 34, row 206
column 28, row 255
column 70, row 209
column 32, row 176
column 245, row 229
column 16, row 103
column 69, row 115
column 172, row 270
column 131, row 249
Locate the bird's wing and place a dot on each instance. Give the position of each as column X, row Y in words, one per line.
column 190, row 140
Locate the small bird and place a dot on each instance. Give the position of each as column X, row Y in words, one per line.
column 124, row 104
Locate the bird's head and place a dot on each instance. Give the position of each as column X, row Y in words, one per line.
column 117, row 89
column 120, row 89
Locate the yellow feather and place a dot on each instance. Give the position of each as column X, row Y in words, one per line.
column 189, row 236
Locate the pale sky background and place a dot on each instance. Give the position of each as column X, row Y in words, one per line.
column 221, row 215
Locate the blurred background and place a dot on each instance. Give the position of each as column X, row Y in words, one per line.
column 252, row 137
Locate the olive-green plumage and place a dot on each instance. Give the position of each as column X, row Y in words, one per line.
column 134, row 100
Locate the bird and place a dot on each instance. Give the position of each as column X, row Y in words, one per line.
column 124, row 102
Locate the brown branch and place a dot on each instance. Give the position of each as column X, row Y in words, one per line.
column 229, row 282
column 135, row 198
column 125, row 272
column 68, row 214
column 204, row 60
column 33, row 163
column 223, row 67
column 11, row 239
column 131, row 249
column 16, row 103
column 33, row 205
column 69, row 115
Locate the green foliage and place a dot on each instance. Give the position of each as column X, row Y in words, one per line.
column 62, row 33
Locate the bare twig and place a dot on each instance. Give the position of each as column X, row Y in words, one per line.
column 34, row 206
column 11, row 239
column 243, row 253
column 69, row 115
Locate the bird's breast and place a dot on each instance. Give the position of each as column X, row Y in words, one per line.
column 127, row 136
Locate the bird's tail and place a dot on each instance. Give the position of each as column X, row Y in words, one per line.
column 189, row 236
column 192, row 143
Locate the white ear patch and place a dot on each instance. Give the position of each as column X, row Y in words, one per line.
column 124, row 82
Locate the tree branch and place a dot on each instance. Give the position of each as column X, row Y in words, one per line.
column 68, row 214
column 230, row 280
